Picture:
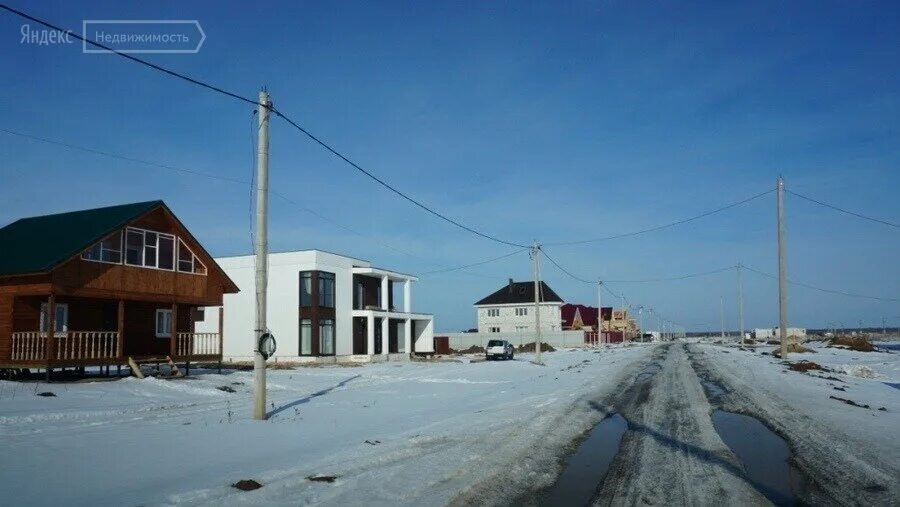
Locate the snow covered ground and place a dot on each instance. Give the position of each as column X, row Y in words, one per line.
column 434, row 429
column 852, row 453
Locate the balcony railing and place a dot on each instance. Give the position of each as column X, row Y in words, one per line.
column 31, row 345
column 198, row 344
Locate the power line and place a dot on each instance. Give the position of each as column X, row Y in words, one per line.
column 314, row 138
column 121, row 157
column 446, row 270
column 664, row 226
column 231, row 180
column 842, row 210
column 820, row 289
column 566, row 271
column 667, row 279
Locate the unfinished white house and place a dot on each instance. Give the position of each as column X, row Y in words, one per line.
column 323, row 307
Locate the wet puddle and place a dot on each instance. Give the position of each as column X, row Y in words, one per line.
column 764, row 454
column 713, row 391
column 584, row 470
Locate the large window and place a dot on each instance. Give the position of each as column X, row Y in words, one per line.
column 107, row 250
column 149, row 249
column 326, row 337
column 326, row 289
column 306, row 288
column 61, row 319
column 520, row 312
column 163, row 323
column 493, row 312
column 305, row 337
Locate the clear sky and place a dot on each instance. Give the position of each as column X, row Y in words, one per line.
column 546, row 121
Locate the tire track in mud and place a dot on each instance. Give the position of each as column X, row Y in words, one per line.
column 671, row 453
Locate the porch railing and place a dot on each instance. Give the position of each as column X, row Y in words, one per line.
column 198, row 344
column 29, row 346
column 32, row 345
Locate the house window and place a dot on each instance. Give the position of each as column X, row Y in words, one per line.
column 493, row 312
column 326, row 337
column 520, row 329
column 149, row 249
column 306, row 288
column 326, row 289
column 305, row 337
column 163, row 323
column 521, row 312
column 61, row 321
column 107, row 250
column 188, row 262
column 360, row 296
column 493, row 330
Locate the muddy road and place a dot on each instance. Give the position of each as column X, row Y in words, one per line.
column 676, row 434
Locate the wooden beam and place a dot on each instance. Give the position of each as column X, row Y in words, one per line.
column 173, row 340
column 135, row 369
column 49, row 349
column 120, row 340
column 221, row 332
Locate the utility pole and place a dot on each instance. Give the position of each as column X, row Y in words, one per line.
column 600, row 311
column 262, row 254
column 740, row 287
column 782, row 271
column 722, row 311
column 535, row 250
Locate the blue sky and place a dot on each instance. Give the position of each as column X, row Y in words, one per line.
column 545, row 121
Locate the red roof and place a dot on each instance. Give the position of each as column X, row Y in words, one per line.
column 588, row 315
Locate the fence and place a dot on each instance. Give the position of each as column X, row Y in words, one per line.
column 558, row 339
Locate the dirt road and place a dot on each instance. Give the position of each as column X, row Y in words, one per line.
column 671, row 453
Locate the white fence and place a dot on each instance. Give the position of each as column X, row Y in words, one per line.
column 558, row 339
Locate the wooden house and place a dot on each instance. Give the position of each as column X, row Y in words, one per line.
column 102, row 286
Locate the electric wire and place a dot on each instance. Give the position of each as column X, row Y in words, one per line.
column 278, row 113
column 842, row 210
column 820, row 289
column 664, row 226
column 447, row 270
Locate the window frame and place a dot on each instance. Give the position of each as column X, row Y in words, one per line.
column 44, row 316
column 120, row 251
column 145, row 246
column 194, row 259
column 306, row 275
column 300, row 344
column 167, row 333
column 493, row 329
column 322, row 325
column 330, row 277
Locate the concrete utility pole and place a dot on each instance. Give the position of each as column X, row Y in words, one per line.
column 262, row 254
column 740, row 288
column 722, row 312
column 782, row 271
column 535, row 251
column 600, row 312
column 624, row 321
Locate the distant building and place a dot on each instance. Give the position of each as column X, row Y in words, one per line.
column 578, row 317
column 510, row 309
column 772, row 333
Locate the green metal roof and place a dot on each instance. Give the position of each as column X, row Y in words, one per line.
column 38, row 244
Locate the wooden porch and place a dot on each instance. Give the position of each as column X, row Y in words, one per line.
column 117, row 331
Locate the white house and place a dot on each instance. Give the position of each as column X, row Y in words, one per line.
column 511, row 309
column 322, row 307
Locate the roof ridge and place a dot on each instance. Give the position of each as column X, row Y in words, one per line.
column 153, row 202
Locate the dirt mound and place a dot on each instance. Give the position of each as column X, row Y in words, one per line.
column 857, row 343
column 805, row 366
column 529, row 347
column 474, row 349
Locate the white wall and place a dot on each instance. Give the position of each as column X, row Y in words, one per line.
column 282, row 315
column 551, row 317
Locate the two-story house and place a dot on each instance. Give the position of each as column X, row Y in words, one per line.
column 510, row 309
column 101, row 286
column 323, row 307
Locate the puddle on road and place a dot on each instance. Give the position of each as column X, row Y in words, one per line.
column 764, row 454
column 584, row 470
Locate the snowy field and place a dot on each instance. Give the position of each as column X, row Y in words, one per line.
column 392, row 433
column 850, row 449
